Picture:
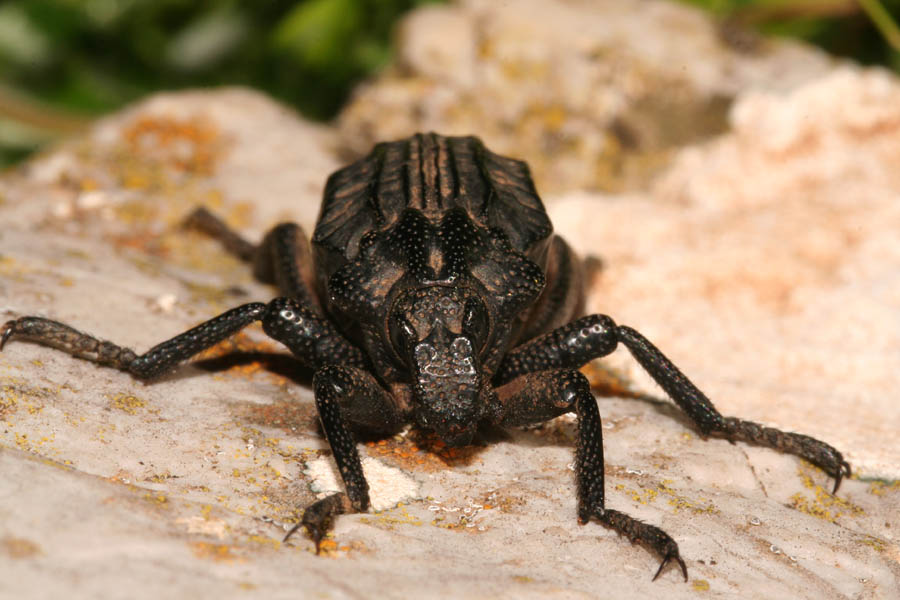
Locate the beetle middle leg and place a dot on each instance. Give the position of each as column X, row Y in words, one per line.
column 585, row 339
column 537, row 397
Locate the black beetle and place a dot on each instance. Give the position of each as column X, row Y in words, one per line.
column 436, row 294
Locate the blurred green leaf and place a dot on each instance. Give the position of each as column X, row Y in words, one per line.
column 316, row 31
column 21, row 41
column 207, row 39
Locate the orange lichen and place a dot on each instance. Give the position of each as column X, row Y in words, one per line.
column 606, row 381
column 260, row 355
column 216, row 552
column 421, row 450
column 190, row 145
column 16, row 547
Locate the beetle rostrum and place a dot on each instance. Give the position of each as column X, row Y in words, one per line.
column 436, row 294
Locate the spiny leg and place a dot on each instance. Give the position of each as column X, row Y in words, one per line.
column 282, row 258
column 154, row 362
column 346, row 395
column 699, row 408
column 537, row 397
column 310, row 337
column 585, row 339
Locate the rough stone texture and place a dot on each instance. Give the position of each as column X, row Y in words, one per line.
column 593, row 93
column 764, row 263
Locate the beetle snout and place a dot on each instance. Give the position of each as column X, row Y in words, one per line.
column 448, row 386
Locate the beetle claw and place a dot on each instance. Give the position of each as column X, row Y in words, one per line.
column 291, row 532
column 7, row 333
column 843, row 470
column 672, row 555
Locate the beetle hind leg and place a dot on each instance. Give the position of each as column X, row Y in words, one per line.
column 710, row 422
column 282, row 258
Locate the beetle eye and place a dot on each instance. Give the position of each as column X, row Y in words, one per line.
column 475, row 322
column 402, row 333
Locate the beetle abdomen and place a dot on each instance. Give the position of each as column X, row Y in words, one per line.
column 433, row 174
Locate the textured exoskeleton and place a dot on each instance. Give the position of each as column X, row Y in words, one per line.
column 436, row 294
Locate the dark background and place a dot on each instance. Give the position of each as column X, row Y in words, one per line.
column 63, row 62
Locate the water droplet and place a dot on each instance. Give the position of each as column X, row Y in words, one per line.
column 755, row 521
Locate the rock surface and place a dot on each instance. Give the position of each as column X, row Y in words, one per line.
column 593, row 93
column 764, row 262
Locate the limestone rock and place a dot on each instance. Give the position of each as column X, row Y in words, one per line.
column 592, row 93
column 763, row 262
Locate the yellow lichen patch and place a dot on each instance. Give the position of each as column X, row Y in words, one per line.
column 10, row 268
column 880, row 488
column 878, row 544
column 823, row 504
column 159, row 477
column 126, row 403
column 65, row 465
column 16, row 547
column 389, row 519
column 190, row 145
column 156, row 498
column 700, row 585
column 262, row 540
column 9, row 400
column 22, row 442
column 216, row 552
column 703, row 505
column 15, row 393
column 642, row 496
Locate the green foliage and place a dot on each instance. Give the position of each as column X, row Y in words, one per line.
column 60, row 58
column 864, row 30
column 62, row 61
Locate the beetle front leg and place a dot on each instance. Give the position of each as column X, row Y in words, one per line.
column 152, row 363
column 537, row 397
column 310, row 337
column 585, row 339
column 345, row 396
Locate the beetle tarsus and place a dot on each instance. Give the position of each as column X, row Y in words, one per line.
column 318, row 518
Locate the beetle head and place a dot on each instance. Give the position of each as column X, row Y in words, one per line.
column 438, row 333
